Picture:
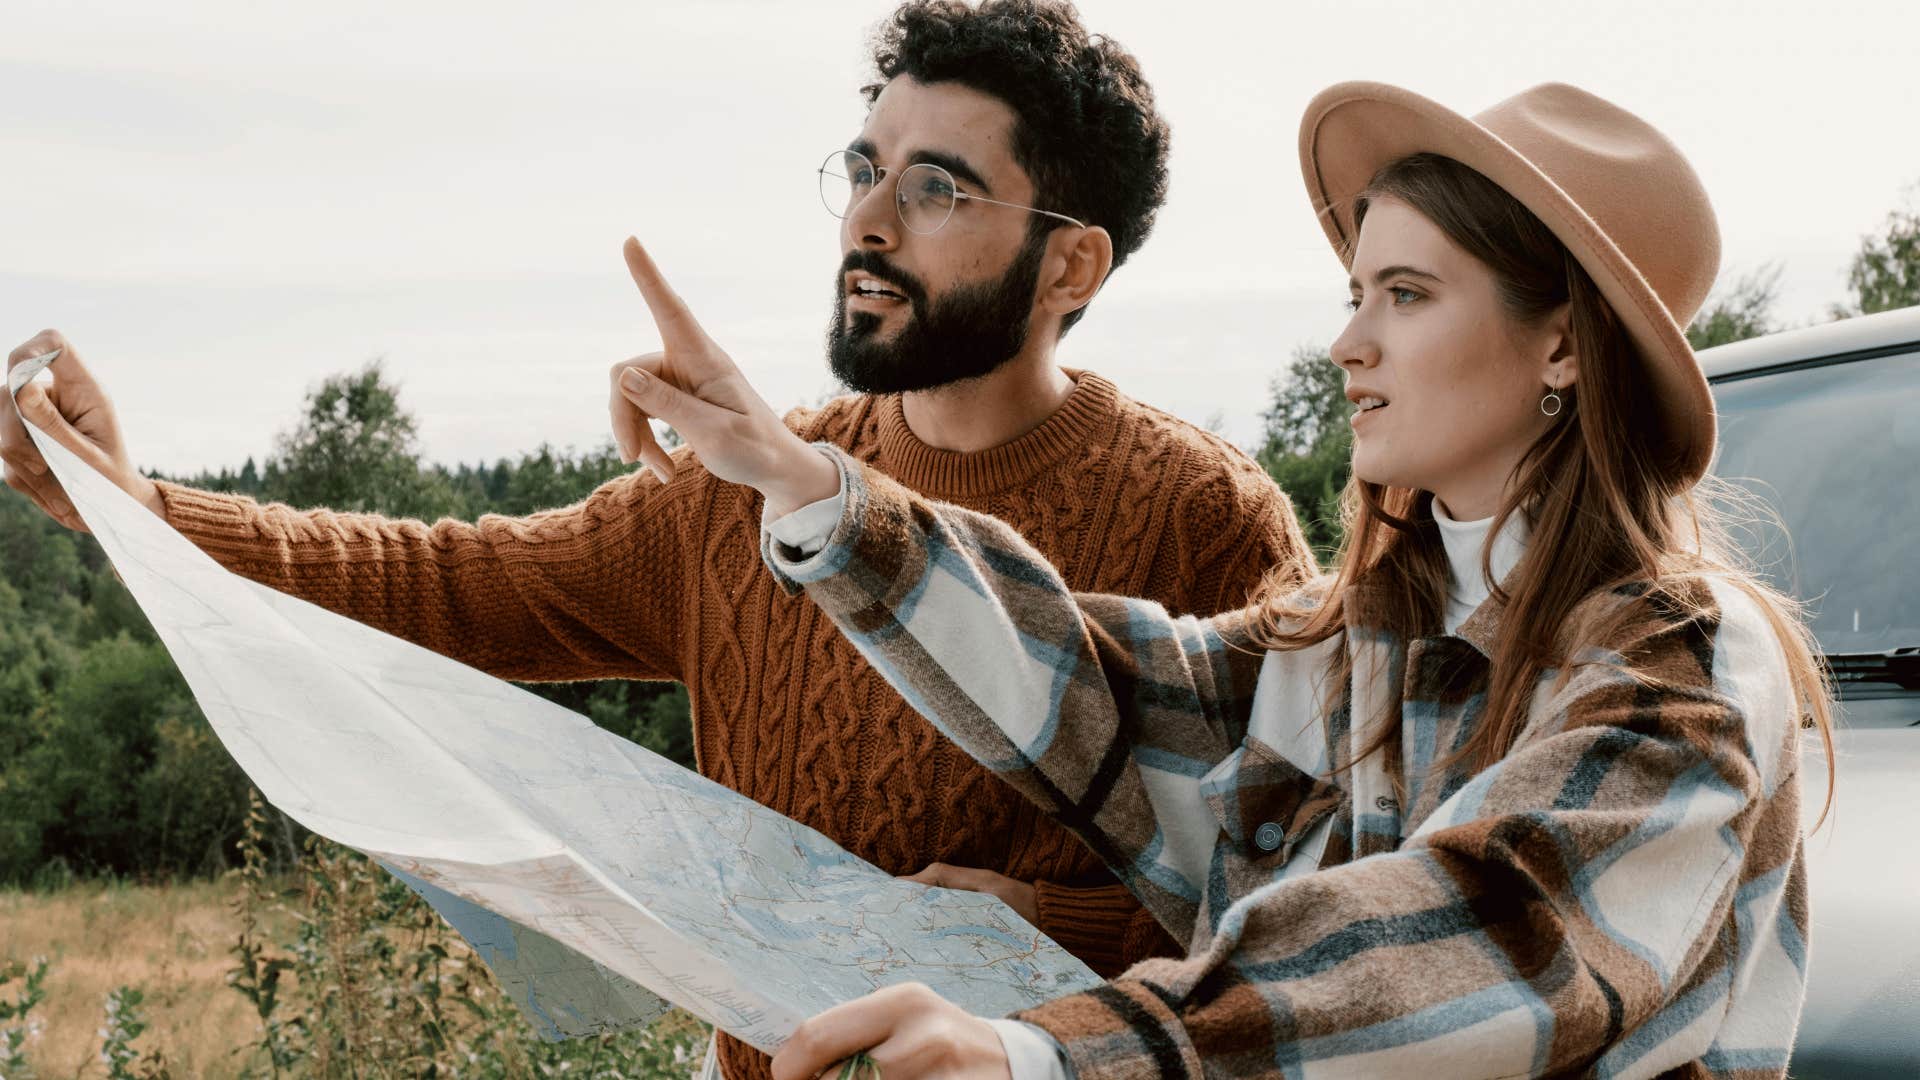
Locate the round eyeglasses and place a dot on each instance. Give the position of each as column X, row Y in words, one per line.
column 925, row 194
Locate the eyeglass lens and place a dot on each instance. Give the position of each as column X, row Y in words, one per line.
column 924, row 193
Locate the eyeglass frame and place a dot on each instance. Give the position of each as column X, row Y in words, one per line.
column 900, row 200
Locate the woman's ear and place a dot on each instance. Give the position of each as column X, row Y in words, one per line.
column 1559, row 361
column 1077, row 269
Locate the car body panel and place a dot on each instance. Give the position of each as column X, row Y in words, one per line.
column 1862, row 1015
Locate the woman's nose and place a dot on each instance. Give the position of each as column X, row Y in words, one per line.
column 1354, row 347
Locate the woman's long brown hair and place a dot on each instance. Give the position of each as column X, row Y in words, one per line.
column 1599, row 494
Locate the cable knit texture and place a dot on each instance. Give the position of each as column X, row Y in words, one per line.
column 645, row 581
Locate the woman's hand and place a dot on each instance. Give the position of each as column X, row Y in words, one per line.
column 693, row 385
column 1018, row 895
column 907, row 1030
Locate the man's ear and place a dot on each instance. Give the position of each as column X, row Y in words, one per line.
column 1076, row 267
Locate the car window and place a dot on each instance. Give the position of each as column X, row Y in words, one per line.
column 1835, row 452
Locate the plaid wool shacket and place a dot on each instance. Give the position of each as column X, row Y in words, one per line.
column 1622, row 895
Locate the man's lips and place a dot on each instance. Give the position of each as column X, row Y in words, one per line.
column 863, row 286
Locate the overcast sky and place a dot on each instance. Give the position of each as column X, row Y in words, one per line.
column 222, row 203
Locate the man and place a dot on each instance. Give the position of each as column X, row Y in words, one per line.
column 1008, row 162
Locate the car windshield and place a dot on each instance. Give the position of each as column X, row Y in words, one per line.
column 1835, row 452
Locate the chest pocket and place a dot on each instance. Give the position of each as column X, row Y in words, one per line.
column 1265, row 803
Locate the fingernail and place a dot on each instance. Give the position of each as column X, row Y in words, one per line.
column 634, row 379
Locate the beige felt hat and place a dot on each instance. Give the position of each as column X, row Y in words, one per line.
column 1616, row 192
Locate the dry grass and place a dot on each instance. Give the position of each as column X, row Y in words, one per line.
column 170, row 941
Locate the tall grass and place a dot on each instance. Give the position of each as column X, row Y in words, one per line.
column 335, row 971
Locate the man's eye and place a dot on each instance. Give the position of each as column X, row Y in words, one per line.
column 1352, row 303
column 936, row 189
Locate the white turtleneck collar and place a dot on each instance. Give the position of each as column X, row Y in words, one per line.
column 1465, row 540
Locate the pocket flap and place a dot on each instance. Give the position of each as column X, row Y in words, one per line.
column 1264, row 802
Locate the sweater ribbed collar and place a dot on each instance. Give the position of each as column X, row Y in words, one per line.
column 1085, row 419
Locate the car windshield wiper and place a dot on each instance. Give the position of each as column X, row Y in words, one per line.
column 1901, row 667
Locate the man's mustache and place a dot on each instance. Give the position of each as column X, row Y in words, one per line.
column 872, row 262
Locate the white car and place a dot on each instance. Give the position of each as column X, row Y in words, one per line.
column 1824, row 424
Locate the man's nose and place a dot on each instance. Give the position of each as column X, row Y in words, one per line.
column 873, row 223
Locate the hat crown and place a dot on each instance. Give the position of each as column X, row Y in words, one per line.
column 1628, row 177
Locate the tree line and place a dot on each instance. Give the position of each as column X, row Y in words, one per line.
column 108, row 767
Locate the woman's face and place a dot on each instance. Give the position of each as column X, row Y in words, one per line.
column 1448, row 384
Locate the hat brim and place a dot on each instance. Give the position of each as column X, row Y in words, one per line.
column 1353, row 130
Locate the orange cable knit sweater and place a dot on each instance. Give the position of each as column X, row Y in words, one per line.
column 645, row 581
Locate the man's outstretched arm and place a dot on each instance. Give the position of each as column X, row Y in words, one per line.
column 588, row 591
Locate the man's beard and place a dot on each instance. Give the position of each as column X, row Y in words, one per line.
column 968, row 333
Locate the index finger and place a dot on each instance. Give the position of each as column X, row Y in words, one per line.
column 670, row 313
column 14, row 442
column 839, row 1033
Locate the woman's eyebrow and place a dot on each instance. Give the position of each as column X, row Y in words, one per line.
column 1400, row 270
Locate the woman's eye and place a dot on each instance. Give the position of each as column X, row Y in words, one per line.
column 1352, row 303
column 1403, row 296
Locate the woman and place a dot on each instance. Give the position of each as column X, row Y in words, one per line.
column 1513, row 791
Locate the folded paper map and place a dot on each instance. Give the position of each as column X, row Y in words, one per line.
column 593, row 876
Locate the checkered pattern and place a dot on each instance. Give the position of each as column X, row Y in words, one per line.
column 1622, row 895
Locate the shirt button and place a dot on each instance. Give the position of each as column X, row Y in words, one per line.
column 1270, row 836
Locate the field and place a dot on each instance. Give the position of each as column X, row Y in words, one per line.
column 169, row 941
column 355, row 978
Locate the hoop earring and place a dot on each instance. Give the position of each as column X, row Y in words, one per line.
column 1553, row 398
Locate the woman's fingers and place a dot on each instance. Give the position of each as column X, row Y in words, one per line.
column 703, row 424
column 678, row 327
column 632, row 435
column 843, row 1031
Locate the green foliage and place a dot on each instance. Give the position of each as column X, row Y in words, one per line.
column 111, row 767
column 1885, row 273
column 16, row 1025
column 1306, row 444
column 256, row 974
column 356, row 449
column 124, row 1025
column 107, row 765
column 1742, row 311
column 381, row 987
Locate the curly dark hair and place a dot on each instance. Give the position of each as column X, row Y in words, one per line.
column 1085, row 127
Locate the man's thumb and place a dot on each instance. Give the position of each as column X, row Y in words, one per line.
column 37, row 407
column 40, row 410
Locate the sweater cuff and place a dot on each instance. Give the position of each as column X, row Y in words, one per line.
column 1122, row 1030
column 1093, row 924
column 208, row 517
